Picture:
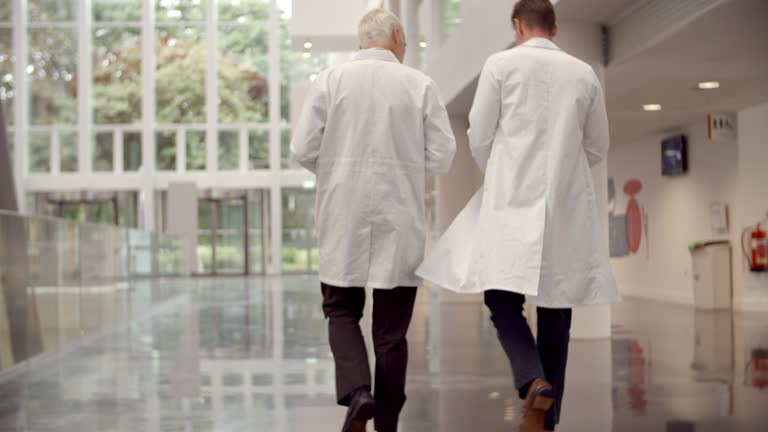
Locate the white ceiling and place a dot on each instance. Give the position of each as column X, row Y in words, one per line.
column 729, row 44
column 595, row 11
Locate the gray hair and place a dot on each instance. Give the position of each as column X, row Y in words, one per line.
column 377, row 26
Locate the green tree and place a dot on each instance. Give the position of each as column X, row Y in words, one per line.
column 6, row 71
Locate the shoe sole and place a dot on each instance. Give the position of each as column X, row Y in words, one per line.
column 535, row 418
column 360, row 418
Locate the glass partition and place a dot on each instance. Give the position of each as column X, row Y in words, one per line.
column 61, row 280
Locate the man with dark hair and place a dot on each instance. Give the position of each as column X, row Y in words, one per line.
column 535, row 14
column 538, row 123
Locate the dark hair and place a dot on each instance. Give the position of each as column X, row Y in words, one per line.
column 537, row 14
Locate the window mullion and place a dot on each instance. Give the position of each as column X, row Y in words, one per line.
column 21, row 101
column 276, row 195
column 211, row 89
column 148, row 152
column 85, row 86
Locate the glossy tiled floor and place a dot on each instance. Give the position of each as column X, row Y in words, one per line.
column 251, row 355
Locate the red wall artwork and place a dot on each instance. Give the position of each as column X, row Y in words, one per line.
column 634, row 216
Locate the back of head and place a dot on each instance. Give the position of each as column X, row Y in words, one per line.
column 536, row 14
column 376, row 27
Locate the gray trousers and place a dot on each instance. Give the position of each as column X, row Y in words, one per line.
column 530, row 359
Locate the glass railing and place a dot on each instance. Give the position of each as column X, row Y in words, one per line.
column 62, row 281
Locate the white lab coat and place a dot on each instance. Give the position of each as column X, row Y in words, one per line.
column 372, row 130
column 537, row 125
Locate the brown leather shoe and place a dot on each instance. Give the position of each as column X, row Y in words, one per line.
column 540, row 398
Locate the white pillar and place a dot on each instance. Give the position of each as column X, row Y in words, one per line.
column 584, row 41
column 21, row 102
column 147, row 193
column 85, row 86
column 275, row 148
column 211, row 89
column 410, row 18
column 435, row 10
column 394, row 6
column 181, row 208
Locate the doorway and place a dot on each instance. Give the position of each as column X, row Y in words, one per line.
column 300, row 250
column 232, row 233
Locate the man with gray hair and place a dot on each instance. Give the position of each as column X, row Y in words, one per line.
column 373, row 131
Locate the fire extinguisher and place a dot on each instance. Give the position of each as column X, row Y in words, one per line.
column 755, row 245
column 757, row 369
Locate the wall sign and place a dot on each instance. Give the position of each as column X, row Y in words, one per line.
column 721, row 127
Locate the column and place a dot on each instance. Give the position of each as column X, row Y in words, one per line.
column 181, row 208
column 85, row 87
column 21, row 101
column 410, row 17
column 148, row 156
column 585, row 41
column 275, row 148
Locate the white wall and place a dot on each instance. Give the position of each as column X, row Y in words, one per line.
column 329, row 25
column 751, row 290
column 677, row 209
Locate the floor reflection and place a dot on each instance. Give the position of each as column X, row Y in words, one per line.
column 251, row 355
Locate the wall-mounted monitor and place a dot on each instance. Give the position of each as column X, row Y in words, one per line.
column 674, row 156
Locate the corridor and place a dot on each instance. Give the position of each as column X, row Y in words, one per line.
column 236, row 354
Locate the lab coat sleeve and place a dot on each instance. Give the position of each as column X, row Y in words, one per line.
column 439, row 142
column 308, row 135
column 484, row 116
column 596, row 135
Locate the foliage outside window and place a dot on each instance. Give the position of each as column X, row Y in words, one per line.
column 7, row 61
column 52, row 73
column 258, row 149
column 166, row 151
column 52, row 10
column 197, row 156
column 103, row 150
column 68, row 142
column 117, row 75
column 229, row 150
column 5, row 11
column 452, row 15
column 39, row 152
column 180, row 76
column 132, row 151
column 117, row 10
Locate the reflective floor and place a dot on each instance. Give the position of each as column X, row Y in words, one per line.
column 251, row 355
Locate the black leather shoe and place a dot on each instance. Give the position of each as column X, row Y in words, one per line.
column 361, row 409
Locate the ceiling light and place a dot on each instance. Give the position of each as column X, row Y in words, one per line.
column 709, row 85
column 307, row 55
column 652, row 107
column 308, row 45
column 423, row 44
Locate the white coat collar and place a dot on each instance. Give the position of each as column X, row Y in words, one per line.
column 375, row 54
column 541, row 43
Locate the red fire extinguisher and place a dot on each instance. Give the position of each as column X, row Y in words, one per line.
column 755, row 246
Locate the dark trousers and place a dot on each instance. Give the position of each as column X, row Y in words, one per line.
column 392, row 312
column 545, row 357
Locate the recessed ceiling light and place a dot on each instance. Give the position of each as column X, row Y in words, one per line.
column 307, row 55
column 308, row 45
column 709, row 85
column 423, row 44
column 652, row 107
